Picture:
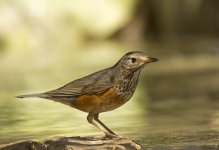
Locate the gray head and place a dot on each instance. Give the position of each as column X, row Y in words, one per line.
column 135, row 60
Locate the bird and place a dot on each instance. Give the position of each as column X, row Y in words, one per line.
column 102, row 91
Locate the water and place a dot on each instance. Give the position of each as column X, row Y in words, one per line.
column 175, row 105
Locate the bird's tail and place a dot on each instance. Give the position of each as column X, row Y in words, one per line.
column 47, row 95
column 65, row 100
column 41, row 95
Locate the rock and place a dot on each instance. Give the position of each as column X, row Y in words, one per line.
column 75, row 143
column 25, row 145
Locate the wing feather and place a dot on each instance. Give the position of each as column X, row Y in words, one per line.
column 91, row 84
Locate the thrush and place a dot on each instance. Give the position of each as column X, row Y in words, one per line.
column 101, row 91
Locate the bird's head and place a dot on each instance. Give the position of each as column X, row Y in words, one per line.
column 135, row 60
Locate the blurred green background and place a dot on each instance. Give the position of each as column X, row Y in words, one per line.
column 45, row 44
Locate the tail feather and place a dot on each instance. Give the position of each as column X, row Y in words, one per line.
column 62, row 99
column 31, row 95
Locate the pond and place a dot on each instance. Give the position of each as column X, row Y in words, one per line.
column 175, row 105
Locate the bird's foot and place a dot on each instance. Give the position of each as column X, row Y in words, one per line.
column 106, row 137
column 111, row 136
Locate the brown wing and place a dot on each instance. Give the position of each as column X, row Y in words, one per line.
column 91, row 84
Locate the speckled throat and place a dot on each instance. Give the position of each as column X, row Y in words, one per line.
column 127, row 83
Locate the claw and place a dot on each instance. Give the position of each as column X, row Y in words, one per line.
column 111, row 136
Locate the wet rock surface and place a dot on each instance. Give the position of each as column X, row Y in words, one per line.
column 74, row 143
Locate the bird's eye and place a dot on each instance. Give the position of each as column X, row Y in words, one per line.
column 133, row 60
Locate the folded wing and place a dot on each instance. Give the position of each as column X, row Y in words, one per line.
column 91, row 84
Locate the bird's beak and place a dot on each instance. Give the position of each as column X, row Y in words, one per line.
column 150, row 60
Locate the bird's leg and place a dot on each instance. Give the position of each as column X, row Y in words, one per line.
column 97, row 119
column 93, row 119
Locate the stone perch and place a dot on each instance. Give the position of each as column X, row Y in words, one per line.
column 74, row 143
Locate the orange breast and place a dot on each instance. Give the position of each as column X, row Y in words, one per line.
column 106, row 101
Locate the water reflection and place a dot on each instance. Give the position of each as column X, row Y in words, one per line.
column 175, row 103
